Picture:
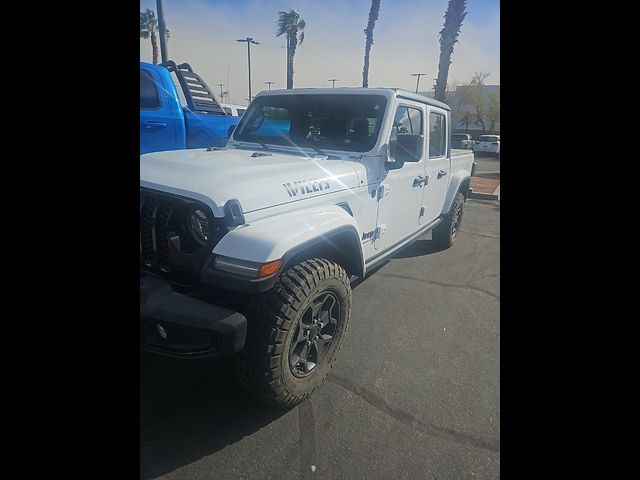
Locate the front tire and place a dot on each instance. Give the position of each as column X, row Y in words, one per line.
column 445, row 234
column 295, row 332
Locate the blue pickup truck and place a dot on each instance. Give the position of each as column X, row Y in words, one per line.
column 173, row 120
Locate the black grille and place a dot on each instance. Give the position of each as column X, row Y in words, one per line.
column 167, row 247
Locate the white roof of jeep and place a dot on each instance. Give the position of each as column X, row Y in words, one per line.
column 386, row 92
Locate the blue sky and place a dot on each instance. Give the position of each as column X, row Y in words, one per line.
column 203, row 33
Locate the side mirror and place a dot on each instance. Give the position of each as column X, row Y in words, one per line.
column 409, row 147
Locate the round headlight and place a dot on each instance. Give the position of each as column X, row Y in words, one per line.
column 199, row 225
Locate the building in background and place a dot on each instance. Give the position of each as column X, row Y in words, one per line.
column 466, row 102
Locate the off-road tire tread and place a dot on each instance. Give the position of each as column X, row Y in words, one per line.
column 442, row 233
column 271, row 315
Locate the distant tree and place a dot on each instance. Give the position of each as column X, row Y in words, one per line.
column 472, row 98
column 466, row 119
column 148, row 29
column 493, row 111
column 453, row 18
column 373, row 16
column 290, row 24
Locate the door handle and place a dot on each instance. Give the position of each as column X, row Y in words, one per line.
column 150, row 125
column 441, row 174
column 421, row 181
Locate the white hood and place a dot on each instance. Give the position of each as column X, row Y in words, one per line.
column 257, row 182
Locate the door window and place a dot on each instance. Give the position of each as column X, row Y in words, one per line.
column 407, row 120
column 437, row 138
column 149, row 98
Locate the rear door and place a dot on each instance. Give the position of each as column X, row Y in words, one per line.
column 206, row 129
column 437, row 164
column 157, row 124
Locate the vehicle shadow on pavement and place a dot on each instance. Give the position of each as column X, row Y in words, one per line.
column 417, row 249
column 190, row 409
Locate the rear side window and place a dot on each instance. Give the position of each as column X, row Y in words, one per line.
column 228, row 110
column 241, row 111
column 437, row 140
column 148, row 93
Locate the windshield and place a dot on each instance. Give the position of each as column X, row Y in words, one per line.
column 459, row 137
column 338, row 122
column 488, row 138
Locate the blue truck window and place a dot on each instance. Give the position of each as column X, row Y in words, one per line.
column 148, row 94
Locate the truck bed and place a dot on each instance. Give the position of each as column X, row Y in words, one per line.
column 462, row 160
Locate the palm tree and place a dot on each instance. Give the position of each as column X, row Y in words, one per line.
column 373, row 16
column 290, row 24
column 149, row 28
column 453, row 19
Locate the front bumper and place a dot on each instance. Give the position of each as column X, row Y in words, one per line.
column 181, row 326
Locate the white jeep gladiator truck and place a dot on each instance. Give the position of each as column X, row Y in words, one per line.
column 249, row 250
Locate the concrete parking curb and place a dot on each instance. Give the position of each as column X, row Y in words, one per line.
column 485, row 196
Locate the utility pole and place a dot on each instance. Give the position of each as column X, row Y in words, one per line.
column 418, row 82
column 221, row 85
column 333, row 82
column 269, row 83
column 163, row 31
column 249, row 41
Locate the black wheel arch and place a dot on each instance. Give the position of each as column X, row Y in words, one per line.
column 341, row 245
column 464, row 187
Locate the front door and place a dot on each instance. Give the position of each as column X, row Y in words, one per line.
column 400, row 192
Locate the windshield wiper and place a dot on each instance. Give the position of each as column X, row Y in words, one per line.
column 318, row 150
column 258, row 139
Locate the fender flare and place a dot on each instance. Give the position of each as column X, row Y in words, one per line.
column 290, row 235
column 460, row 180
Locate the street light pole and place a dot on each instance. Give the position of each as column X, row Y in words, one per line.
column 249, row 41
column 269, row 83
column 333, row 82
column 162, row 26
column 221, row 85
column 418, row 81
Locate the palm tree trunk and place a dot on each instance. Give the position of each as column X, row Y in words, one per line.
column 292, row 53
column 453, row 18
column 373, row 16
column 443, row 70
column 154, row 47
column 289, row 65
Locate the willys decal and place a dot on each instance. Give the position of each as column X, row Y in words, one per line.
column 306, row 186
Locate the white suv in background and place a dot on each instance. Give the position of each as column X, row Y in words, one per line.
column 487, row 144
column 235, row 110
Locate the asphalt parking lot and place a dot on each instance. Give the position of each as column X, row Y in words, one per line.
column 487, row 163
column 415, row 392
